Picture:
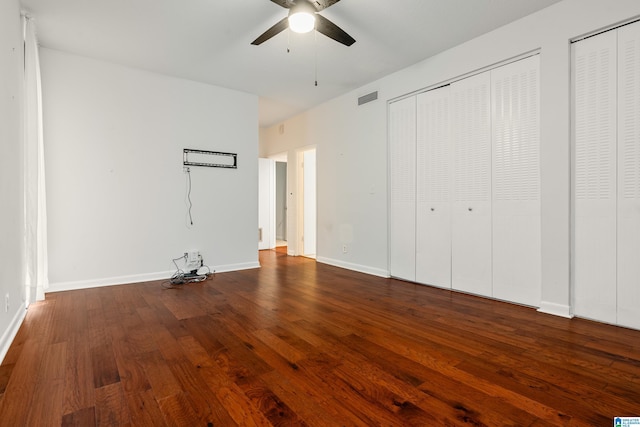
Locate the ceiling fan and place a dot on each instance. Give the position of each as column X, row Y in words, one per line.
column 303, row 17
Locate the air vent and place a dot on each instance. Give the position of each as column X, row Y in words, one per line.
column 368, row 98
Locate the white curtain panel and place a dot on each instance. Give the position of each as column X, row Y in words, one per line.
column 36, row 278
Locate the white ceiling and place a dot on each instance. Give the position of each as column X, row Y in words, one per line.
column 209, row 41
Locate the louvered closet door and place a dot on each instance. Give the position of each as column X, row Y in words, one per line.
column 516, row 182
column 402, row 175
column 433, row 221
column 471, row 210
column 594, row 79
column 629, row 176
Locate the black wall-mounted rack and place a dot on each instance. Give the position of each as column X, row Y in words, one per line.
column 218, row 159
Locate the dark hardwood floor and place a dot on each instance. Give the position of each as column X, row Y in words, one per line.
column 300, row 343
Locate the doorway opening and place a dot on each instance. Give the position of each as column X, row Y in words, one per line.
column 281, row 206
column 288, row 180
column 273, row 228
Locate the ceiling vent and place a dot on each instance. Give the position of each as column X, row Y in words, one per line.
column 368, row 98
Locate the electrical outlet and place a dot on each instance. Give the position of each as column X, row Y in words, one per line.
column 193, row 257
column 193, row 260
column 6, row 303
column 344, row 249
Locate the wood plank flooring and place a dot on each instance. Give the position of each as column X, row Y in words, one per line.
column 300, row 343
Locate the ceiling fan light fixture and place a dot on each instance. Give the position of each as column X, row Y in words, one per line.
column 302, row 22
column 302, row 18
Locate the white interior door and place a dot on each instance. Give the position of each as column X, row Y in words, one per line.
column 309, row 209
column 516, row 182
column 433, row 209
column 628, row 245
column 471, row 219
column 266, row 204
column 402, row 185
column 594, row 78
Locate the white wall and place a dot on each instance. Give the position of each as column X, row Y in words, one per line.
column 352, row 141
column 11, row 173
column 116, row 188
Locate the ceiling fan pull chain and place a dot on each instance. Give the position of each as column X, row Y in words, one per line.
column 315, row 48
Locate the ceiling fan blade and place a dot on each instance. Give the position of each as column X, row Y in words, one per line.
column 331, row 30
column 276, row 29
column 284, row 3
column 323, row 4
column 318, row 4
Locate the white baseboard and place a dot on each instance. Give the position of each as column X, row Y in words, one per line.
column 138, row 278
column 235, row 267
column 108, row 281
column 355, row 267
column 11, row 331
column 555, row 309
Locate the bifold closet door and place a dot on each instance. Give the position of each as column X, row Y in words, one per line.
column 628, row 245
column 471, row 207
column 595, row 194
column 402, row 184
column 433, row 210
column 515, row 116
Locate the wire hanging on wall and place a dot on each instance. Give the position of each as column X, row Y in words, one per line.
column 188, row 199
